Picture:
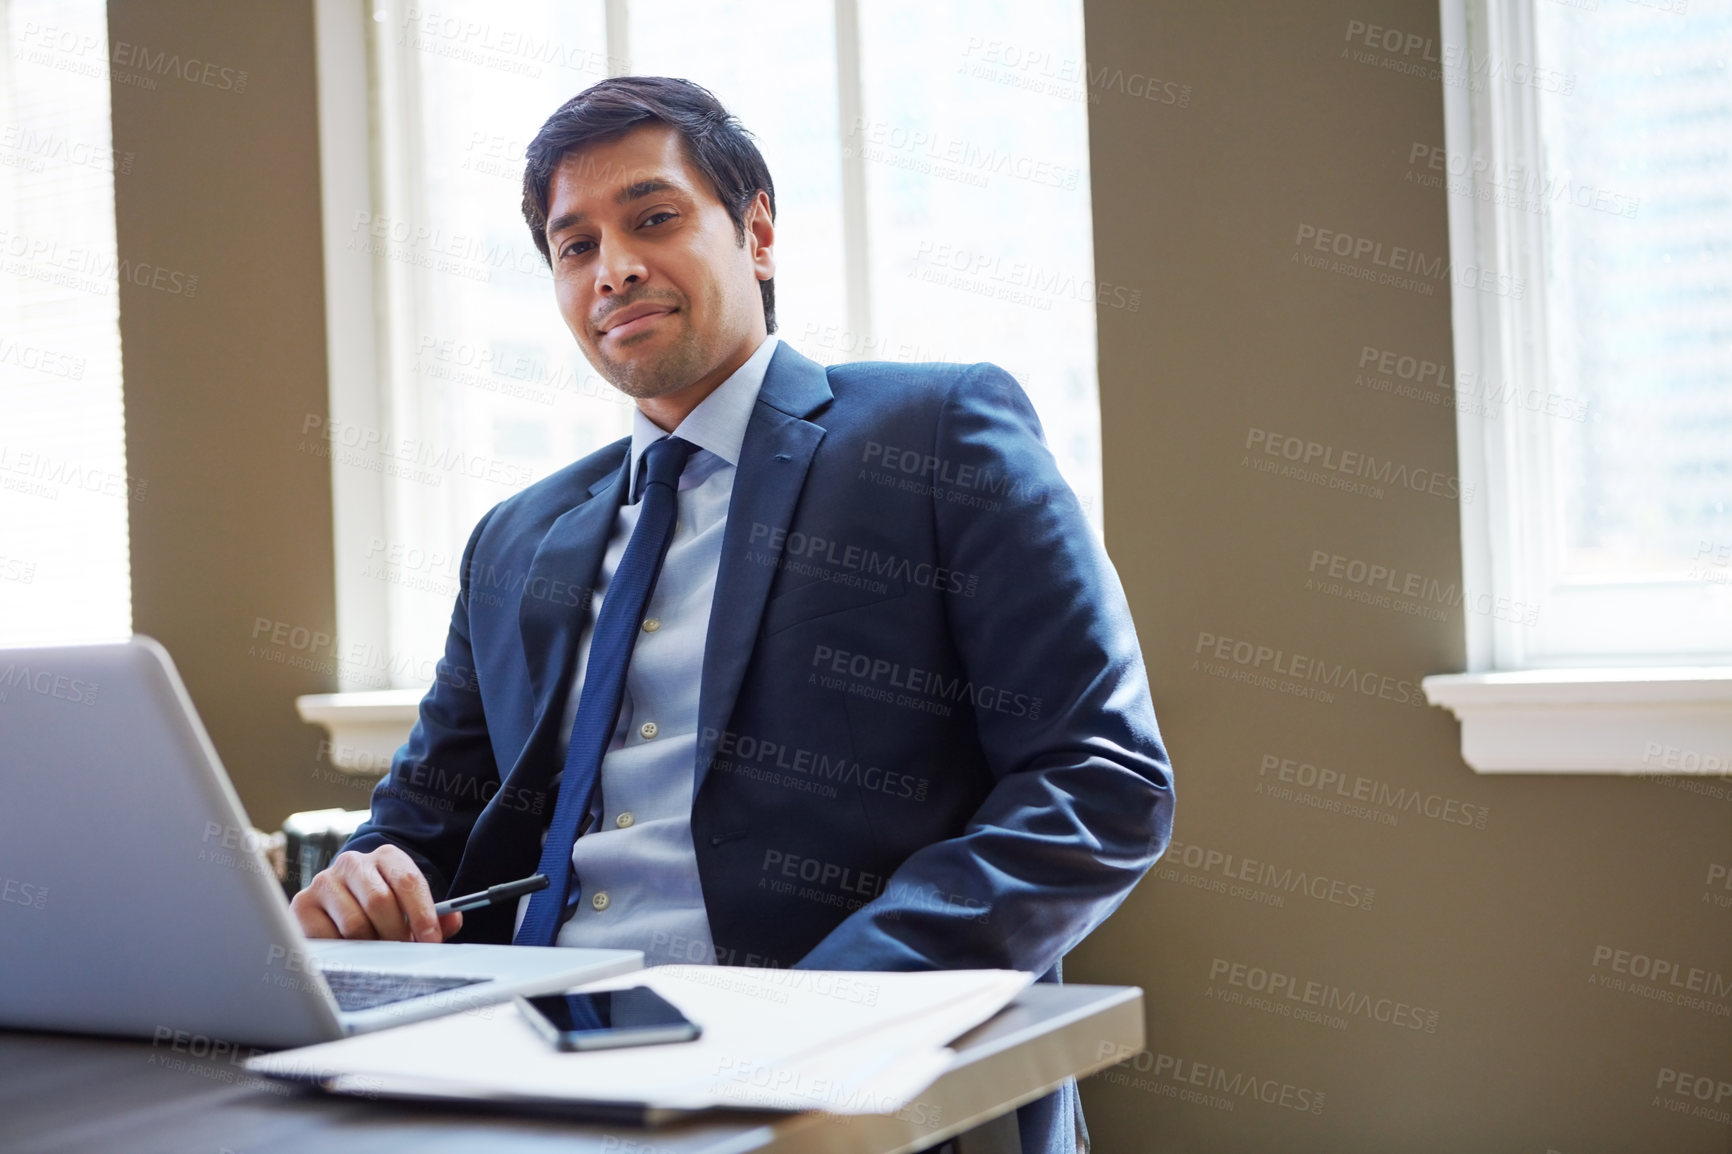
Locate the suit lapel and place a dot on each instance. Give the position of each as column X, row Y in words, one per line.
column 504, row 841
column 563, row 570
column 774, row 459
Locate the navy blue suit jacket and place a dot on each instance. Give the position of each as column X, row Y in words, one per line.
column 925, row 733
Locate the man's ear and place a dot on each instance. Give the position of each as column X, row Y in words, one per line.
column 761, row 236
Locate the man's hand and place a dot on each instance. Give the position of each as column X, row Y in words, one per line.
column 376, row 896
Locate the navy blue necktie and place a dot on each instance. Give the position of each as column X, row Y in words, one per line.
column 610, row 646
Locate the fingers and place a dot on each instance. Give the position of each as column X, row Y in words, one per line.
column 380, row 895
column 410, row 895
column 330, row 893
column 315, row 922
column 378, row 901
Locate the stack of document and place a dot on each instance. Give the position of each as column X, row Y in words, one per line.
column 842, row 1042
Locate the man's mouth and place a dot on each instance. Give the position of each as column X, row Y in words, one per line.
column 637, row 320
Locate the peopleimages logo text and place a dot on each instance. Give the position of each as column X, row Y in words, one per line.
column 1315, row 454
column 1301, row 667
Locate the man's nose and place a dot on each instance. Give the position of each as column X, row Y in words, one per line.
column 619, row 267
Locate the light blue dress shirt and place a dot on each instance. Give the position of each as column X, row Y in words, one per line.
column 637, row 866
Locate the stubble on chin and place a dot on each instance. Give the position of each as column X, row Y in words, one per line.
column 654, row 376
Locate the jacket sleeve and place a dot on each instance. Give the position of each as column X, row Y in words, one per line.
column 1082, row 804
column 442, row 776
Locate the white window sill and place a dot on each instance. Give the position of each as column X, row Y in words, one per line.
column 366, row 728
column 1657, row 721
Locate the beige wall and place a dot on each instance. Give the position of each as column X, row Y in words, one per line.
column 1494, row 929
column 235, row 526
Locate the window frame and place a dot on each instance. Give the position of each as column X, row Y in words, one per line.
column 1523, row 709
column 354, row 362
column 367, row 352
column 366, row 308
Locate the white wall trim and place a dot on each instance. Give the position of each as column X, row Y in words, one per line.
column 359, row 500
column 367, row 728
column 1472, row 320
column 850, row 113
column 1646, row 721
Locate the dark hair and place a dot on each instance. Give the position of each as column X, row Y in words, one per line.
column 714, row 142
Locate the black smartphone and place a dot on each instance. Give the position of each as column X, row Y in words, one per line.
column 607, row 1018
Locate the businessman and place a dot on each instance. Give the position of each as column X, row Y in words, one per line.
column 821, row 667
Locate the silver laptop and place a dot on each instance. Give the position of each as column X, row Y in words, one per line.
column 134, row 900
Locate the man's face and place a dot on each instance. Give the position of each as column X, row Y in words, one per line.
column 648, row 270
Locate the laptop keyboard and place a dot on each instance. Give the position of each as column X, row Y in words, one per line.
column 368, row 989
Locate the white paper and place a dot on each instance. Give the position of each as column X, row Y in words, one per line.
column 844, row 1042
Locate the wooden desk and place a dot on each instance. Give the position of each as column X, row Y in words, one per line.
column 61, row 1092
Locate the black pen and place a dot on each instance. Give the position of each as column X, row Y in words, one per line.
column 492, row 895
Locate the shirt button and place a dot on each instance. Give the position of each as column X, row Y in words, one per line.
column 651, row 624
column 648, row 729
column 624, row 820
column 599, row 901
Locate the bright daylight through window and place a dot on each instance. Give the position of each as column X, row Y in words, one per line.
column 933, row 204
column 1595, row 394
column 64, row 492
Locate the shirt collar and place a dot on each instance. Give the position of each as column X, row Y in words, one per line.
column 719, row 422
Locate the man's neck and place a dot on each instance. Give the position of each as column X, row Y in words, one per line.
column 668, row 410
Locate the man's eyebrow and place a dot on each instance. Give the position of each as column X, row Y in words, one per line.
column 640, row 190
column 625, row 195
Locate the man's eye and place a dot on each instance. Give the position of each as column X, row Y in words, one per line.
column 576, row 248
column 658, row 217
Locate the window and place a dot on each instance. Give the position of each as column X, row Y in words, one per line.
column 63, row 487
column 931, row 205
column 1590, row 162
column 1589, row 150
